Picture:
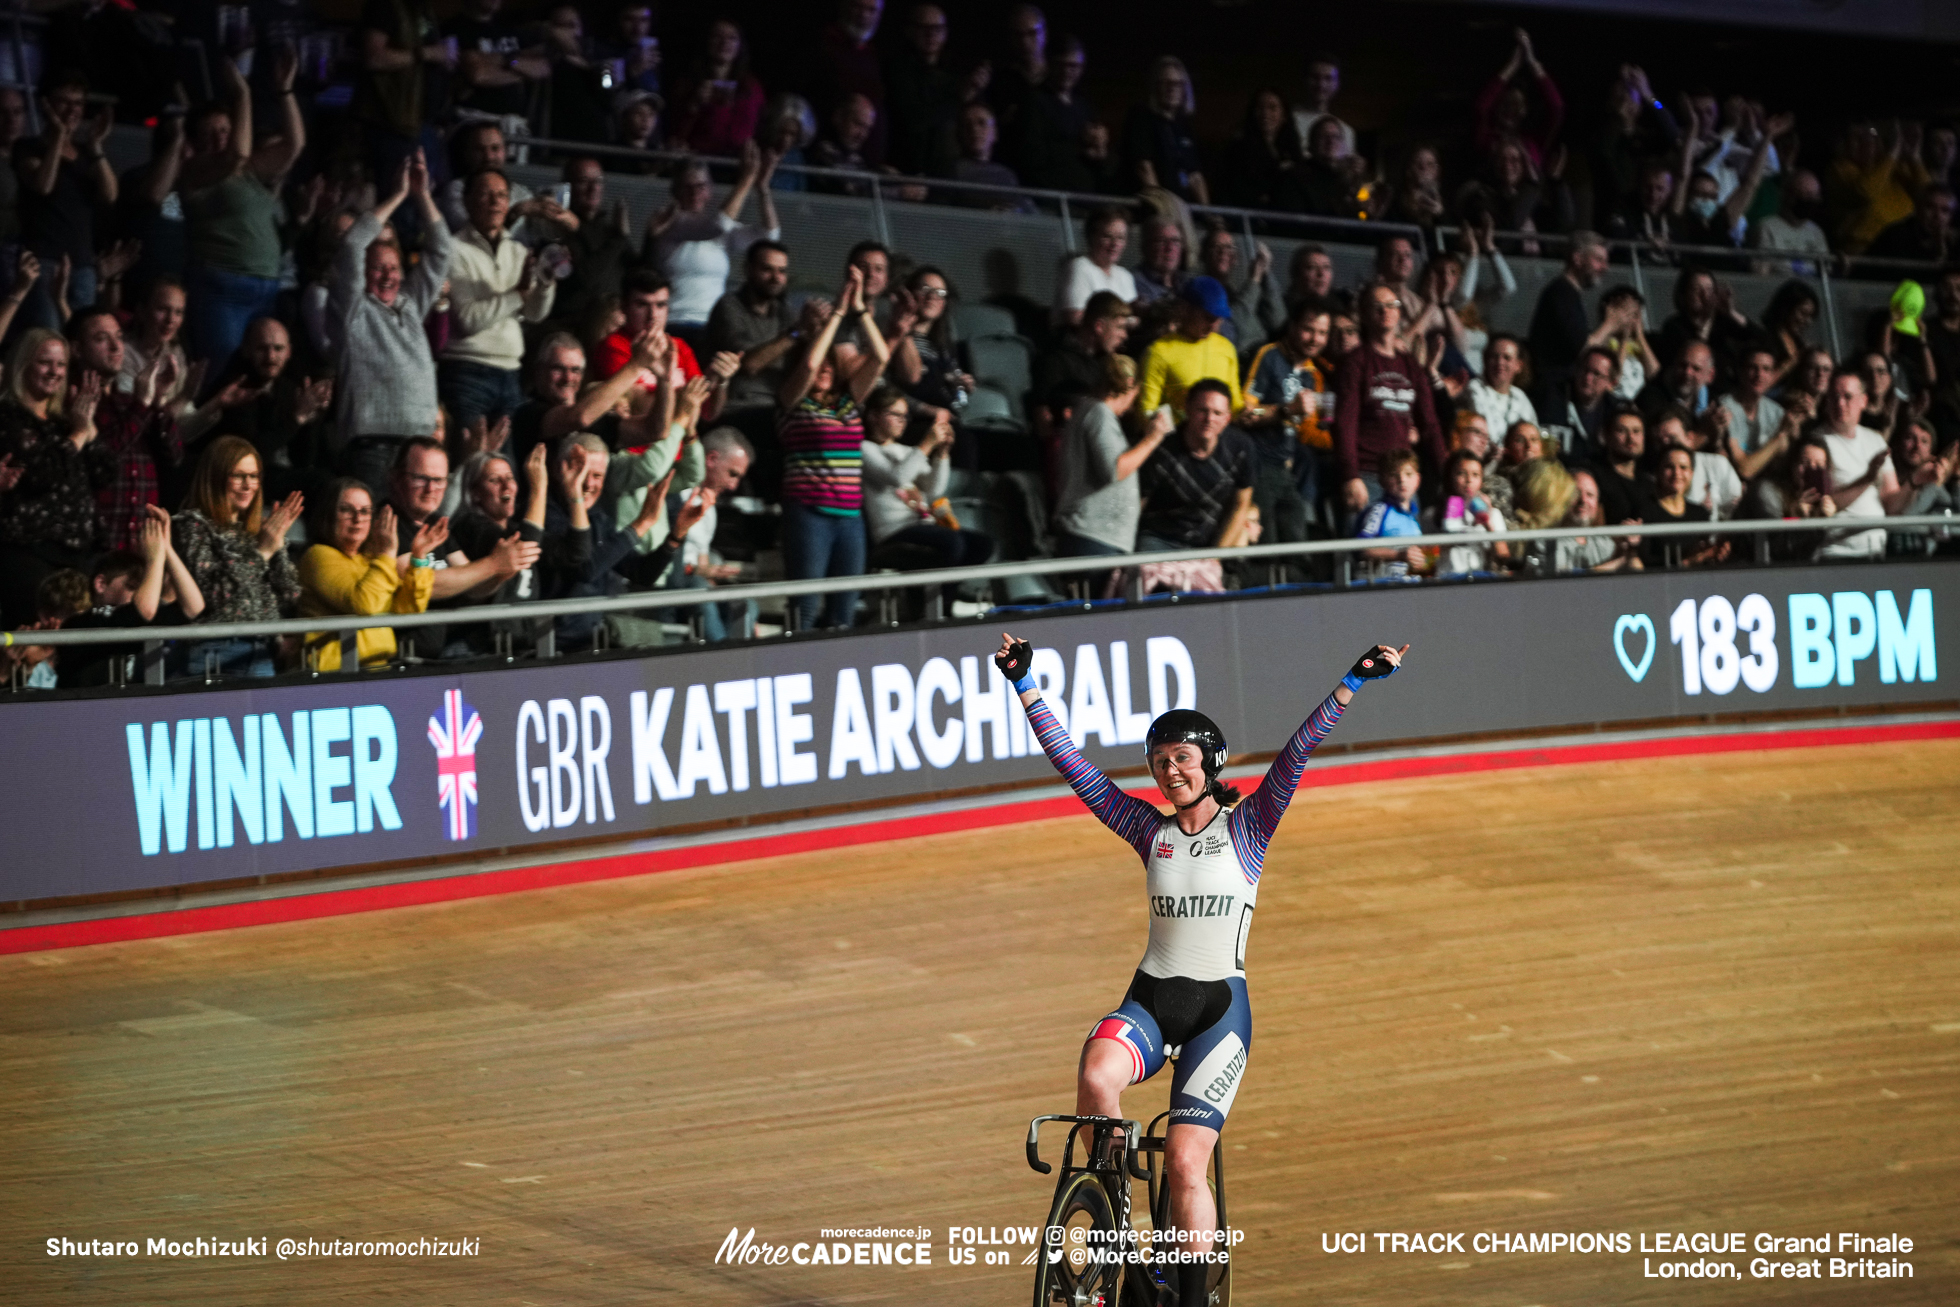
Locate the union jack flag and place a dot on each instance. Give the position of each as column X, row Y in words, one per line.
column 455, row 733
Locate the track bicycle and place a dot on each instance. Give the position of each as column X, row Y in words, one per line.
column 1089, row 1256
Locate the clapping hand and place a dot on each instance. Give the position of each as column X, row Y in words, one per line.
column 724, row 365
column 81, row 407
column 428, row 537
column 150, row 385
column 272, row 531
column 235, row 392
column 416, row 175
column 27, row 270
column 400, row 192
column 117, row 259
column 816, row 312
column 654, row 504
column 571, row 478
column 693, row 508
column 380, row 540
column 153, row 535
column 515, row 554
column 905, row 312
column 10, row 473
column 312, row 399
column 650, row 351
column 694, row 394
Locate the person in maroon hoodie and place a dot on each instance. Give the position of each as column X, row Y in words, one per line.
column 1382, row 402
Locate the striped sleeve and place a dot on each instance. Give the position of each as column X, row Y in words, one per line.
column 1132, row 818
column 1253, row 822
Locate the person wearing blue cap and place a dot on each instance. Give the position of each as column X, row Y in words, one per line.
column 1192, row 351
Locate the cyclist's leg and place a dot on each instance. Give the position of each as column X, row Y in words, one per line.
column 1210, row 1068
column 1124, row 1049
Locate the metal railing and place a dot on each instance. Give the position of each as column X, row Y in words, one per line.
column 1274, row 555
column 884, row 187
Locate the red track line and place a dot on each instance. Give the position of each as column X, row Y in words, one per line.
column 444, row 889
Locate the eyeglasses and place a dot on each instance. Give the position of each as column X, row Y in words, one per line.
column 355, row 511
column 243, row 478
column 931, row 292
column 424, row 483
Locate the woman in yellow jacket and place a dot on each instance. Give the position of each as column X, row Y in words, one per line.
column 357, row 571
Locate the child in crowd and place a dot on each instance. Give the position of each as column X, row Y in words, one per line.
column 60, row 596
column 145, row 586
column 1466, row 510
column 1394, row 514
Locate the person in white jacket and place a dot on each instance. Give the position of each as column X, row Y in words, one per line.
column 493, row 284
column 902, row 484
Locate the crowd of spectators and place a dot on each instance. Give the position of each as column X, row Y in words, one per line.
column 277, row 371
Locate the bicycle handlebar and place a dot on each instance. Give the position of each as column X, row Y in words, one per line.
column 1131, row 1132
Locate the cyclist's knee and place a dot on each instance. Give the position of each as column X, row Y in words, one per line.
column 1187, row 1152
column 1108, row 1066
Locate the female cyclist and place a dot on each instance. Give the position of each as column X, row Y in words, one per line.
column 1188, row 1000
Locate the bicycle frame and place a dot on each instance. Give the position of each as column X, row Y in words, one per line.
column 1142, row 1159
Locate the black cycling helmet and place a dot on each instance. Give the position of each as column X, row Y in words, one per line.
column 1188, row 726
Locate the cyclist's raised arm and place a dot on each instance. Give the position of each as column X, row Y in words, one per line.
column 1255, row 820
column 1132, row 818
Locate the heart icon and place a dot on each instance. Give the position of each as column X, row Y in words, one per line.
column 1634, row 622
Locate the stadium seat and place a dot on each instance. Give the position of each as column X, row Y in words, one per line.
column 990, row 406
column 1006, row 363
column 971, row 321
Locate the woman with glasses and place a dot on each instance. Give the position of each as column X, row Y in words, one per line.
column 236, row 552
column 1159, row 143
column 925, row 364
column 354, row 569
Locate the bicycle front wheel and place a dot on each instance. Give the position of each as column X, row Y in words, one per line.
column 1073, row 1272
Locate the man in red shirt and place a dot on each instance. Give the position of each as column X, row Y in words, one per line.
column 645, row 305
column 1382, row 402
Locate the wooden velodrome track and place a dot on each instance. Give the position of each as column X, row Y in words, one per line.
column 1702, row 993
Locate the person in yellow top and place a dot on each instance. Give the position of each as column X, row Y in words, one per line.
column 1874, row 180
column 1194, row 351
column 357, row 571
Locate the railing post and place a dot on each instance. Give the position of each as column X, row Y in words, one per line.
column 882, row 227
column 153, row 662
column 1830, row 305
column 350, row 651
column 547, row 645
column 1639, row 281
column 1068, row 228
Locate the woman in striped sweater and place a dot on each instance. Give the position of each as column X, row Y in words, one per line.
column 822, row 432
